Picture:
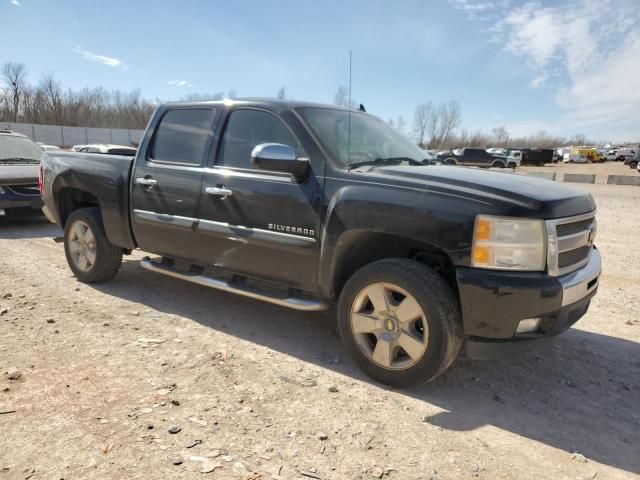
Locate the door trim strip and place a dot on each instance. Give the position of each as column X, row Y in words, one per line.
column 234, row 232
column 166, row 219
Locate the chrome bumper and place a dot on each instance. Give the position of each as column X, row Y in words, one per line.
column 582, row 282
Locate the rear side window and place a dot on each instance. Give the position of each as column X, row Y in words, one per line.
column 245, row 130
column 182, row 135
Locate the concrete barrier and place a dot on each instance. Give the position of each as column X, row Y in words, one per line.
column 545, row 175
column 580, row 177
column 624, row 179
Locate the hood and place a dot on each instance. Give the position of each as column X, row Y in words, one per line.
column 508, row 193
column 18, row 174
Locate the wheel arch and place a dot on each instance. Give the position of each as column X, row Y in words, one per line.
column 355, row 249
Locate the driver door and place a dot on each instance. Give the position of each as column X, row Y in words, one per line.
column 256, row 222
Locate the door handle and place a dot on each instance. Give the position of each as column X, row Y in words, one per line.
column 219, row 191
column 146, row 182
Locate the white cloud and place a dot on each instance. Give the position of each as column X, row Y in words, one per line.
column 539, row 80
column 15, row 2
column 180, row 83
column 104, row 60
column 585, row 50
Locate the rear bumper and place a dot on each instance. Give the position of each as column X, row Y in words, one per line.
column 7, row 202
column 494, row 303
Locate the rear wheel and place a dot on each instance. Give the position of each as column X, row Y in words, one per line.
column 498, row 164
column 633, row 164
column 90, row 255
column 400, row 322
column 450, row 161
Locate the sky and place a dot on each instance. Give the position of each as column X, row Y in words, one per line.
column 565, row 67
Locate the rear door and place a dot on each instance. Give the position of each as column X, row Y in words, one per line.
column 166, row 181
column 260, row 223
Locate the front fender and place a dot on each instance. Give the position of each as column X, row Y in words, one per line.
column 355, row 211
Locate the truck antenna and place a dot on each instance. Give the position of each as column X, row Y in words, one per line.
column 349, row 107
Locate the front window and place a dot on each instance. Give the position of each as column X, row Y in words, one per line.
column 19, row 150
column 370, row 139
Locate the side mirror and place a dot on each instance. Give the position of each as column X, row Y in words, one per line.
column 279, row 158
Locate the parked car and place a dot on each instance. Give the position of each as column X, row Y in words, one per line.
column 304, row 205
column 497, row 151
column 583, row 155
column 46, row 147
column 108, row 149
column 514, row 158
column 473, row 157
column 19, row 160
column 630, row 157
column 626, row 153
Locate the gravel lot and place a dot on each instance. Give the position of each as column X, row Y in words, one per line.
column 600, row 169
column 92, row 379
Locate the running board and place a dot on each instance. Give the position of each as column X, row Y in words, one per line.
column 308, row 305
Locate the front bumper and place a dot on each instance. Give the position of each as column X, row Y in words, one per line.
column 493, row 304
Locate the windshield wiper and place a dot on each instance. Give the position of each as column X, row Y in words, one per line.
column 19, row 160
column 386, row 161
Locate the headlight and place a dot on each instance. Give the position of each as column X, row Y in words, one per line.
column 504, row 243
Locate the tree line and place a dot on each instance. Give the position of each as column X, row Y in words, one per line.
column 435, row 126
column 48, row 103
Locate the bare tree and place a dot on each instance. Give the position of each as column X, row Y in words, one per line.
column 52, row 90
column 578, row 139
column 341, row 98
column 500, row 136
column 421, row 121
column 282, row 93
column 15, row 74
column 450, row 120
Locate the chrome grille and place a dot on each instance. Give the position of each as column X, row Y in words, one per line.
column 565, row 229
column 570, row 243
column 566, row 259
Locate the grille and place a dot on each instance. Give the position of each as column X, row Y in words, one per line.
column 566, row 259
column 568, row 249
column 566, row 229
column 25, row 189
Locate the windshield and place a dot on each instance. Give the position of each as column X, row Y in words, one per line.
column 372, row 140
column 19, row 150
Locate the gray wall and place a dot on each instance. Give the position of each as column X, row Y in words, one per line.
column 69, row 136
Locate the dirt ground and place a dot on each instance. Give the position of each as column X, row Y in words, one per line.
column 600, row 169
column 93, row 378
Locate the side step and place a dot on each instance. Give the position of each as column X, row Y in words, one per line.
column 308, row 305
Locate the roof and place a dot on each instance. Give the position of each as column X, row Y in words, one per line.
column 265, row 101
column 11, row 133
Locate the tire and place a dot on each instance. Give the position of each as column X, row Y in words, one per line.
column 90, row 255
column 512, row 165
column 436, row 330
column 498, row 164
column 633, row 164
column 450, row 161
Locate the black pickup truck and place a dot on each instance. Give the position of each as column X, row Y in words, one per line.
column 473, row 157
column 305, row 205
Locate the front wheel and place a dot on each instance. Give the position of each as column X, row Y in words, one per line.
column 633, row 164
column 498, row 164
column 400, row 322
column 90, row 255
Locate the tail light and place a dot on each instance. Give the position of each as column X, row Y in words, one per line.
column 41, row 180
